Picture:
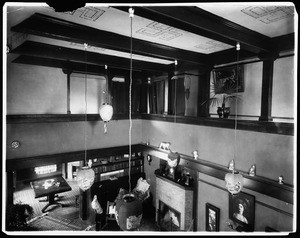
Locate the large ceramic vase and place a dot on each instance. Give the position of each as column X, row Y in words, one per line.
column 129, row 211
column 223, row 112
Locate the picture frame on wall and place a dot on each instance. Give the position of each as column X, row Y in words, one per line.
column 242, row 209
column 230, row 77
column 212, row 218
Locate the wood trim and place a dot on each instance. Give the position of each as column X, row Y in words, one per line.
column 76, row 67
column 47, row 51
column 47, row 118
column 256, row 201
column 272, row 188
column 204, row 23
column 29, row 162
column 266, row 93
column 282, row 128
column 47, row 26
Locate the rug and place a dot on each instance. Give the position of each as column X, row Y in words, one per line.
column 48, row 223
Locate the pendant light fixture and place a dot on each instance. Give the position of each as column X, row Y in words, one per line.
column 129, row 208
column 106, row 110
column 85, row 175
column 234, row 180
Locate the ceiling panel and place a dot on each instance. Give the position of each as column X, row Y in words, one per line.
column 270, row 19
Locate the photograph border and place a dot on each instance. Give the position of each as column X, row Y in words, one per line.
column 217, row 211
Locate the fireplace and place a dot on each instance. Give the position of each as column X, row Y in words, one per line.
column 168, row 218
column 174, row 205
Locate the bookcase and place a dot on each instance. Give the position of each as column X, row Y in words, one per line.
column 115, row 166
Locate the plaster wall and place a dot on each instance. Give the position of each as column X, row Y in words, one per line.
column 51, row 138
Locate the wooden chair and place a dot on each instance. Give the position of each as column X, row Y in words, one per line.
column 110, row 217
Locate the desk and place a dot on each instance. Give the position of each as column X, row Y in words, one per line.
column 50, row 187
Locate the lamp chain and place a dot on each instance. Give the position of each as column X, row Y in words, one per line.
column 85, row 98
column 237, row 89
column 131, row 11
column 175, row 96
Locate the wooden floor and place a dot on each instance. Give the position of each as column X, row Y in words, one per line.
column 69, row 211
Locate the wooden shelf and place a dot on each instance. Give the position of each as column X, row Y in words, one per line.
column 282, row 128
column 269, row 187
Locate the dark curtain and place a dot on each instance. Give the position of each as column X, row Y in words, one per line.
column 177, row 97
column 157, row 97
column 120, row 97
column 119, row 93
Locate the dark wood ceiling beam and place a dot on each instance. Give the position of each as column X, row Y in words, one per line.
column 57, row 52
column 46, row 26
column 198, row 21
column 75, row 67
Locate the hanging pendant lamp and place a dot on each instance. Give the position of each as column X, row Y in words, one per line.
column 129, row 208
column 234, row 180
column 85, row 175
column 106, row 110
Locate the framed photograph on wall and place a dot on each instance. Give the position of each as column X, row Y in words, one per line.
column 230, row 77
column 212, row 218
column 242, row 209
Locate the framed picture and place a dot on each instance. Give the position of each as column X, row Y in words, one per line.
column 212, row 218
column 230, row 77
column 241, row 209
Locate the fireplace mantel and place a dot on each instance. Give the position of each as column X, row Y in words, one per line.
column 181, row 185
column 178, row 197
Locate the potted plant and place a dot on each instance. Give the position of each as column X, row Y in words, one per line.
column 220, row 94
column 17, row 216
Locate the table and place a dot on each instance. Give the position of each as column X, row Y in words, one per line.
column 50, row 187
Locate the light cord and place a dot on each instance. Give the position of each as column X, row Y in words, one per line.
column 85, row 98
column 175, row 96
column 130, row 87
column 237, row 88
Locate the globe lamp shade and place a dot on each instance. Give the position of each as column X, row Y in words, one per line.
column 234, row 182
column 106, row 112
column 85, row 178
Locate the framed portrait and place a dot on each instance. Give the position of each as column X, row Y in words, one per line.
column 212, row 217
column 242, row 209
column 230, row 77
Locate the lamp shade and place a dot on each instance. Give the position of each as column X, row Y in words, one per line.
column 129, row 212
column 173, row 159
column 234, row 182
column 106, row 112
column 85, row 177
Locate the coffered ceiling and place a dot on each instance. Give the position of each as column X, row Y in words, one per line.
column 196, row 35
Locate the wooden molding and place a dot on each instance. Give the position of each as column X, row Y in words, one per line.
column 47, row 26
column 47, row 51
column 47, row 118
column 272, row 188
column 282, row 128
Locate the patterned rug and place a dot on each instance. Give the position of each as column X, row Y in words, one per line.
column 49, row 223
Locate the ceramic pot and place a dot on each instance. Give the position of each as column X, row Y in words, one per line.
column 129, row 211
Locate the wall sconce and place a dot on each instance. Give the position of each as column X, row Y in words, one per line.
column 149, row 159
